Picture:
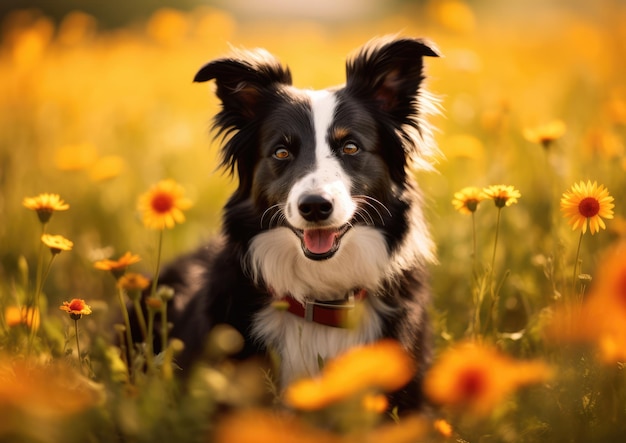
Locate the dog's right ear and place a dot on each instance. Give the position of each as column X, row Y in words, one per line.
column 241, row 80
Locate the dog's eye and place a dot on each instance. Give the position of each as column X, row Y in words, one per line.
column 281, row 154
column 350, row 148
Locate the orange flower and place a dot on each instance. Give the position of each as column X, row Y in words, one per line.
column 466, row 200
column 133, row 282
column 376, row 403
column 258, row 426
column 117, row 267
column 475, row 378
column 502, row 195
column 57, row 243
column 587, row 203
column 606, row 301
column 76, row 308
column 14, row 316
column 163, row 205
column 42, row 394
column 45, row 205
column 443, row 428
column 545, row 134
column 383, row 365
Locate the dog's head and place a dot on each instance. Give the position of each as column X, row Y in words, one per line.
column 324, row 163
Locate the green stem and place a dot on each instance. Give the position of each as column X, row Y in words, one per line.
column 480, row 296
column 129, row 337
column 164, row 328
column 38, row 278
column 495, row 246
column 575, row 273
column 151, row 313
column 36, row 308
column 155, row 279
column 80, row 359
column 150, row 340
column 474, row 244
column 492, row 281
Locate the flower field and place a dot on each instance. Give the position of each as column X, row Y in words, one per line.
column 108, row 170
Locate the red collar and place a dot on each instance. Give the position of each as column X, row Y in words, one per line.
column 335, row 313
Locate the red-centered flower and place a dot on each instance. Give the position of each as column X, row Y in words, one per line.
column 163, row 205
column 475, row 378
column 587, row 204
column 76, row 308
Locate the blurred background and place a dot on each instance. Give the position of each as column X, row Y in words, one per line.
column 97, row 104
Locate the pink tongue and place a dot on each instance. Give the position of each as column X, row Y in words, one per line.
column 319, row 241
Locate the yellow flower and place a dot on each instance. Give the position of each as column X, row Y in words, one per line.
column 167, row 26
column 75, row 157
column 587, row 203
column 475, row 378
column 14, row 316
column 545, row 134
column 453, row 15
column 45, row 204
column 106, row 168
column 383, row 365
column 466, row 200
column 56, row 243
column 117, row 267
column 163, row 205
column 502, row 195
column 76, row 308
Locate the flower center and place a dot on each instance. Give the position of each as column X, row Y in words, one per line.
column 472, row 383
column 76, row 305
column 162, row 203
column 471, row 204
column 500, row 201
column 589, row 207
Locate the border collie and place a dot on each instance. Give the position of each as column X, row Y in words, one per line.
column 326, row 219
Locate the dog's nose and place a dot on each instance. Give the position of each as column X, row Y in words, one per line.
column 315, row 207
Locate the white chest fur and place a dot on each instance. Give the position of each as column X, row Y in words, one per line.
column 300, row 343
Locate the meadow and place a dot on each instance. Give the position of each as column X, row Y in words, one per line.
column 528, row 308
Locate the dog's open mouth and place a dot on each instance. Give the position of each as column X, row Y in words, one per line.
column 322, row 243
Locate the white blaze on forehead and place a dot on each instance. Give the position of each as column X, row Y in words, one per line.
column 327, row 167
column 327, row 177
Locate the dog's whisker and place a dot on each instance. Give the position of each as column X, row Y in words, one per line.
column 277, row 209
column 363, row 213
column 378, row 202
column 363, row 201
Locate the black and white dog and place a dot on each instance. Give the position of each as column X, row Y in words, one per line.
column 326, row 218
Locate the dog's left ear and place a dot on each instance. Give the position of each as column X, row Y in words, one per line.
column 389, row 73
